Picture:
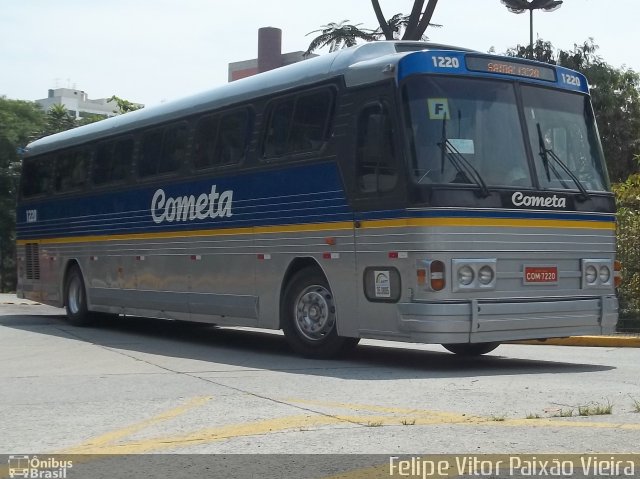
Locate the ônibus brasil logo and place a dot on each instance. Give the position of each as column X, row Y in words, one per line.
column 36, row 468
column 189, row 208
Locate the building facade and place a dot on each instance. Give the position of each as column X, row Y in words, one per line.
column 78, row 104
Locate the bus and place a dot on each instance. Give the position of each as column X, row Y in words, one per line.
column 401, row 191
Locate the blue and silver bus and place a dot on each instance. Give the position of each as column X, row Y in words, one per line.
column 402, row 191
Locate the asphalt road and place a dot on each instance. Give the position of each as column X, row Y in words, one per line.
column 141, row 386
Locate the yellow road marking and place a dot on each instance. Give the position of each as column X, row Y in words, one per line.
column 382, row 415
column 101, row 441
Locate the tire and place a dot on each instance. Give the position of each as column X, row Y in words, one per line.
column 309, row 318
column 471, row 349
column 75, row 300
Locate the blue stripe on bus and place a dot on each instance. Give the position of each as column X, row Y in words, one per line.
column 308, row 194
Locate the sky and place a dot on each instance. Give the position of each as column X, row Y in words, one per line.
column 152, row 51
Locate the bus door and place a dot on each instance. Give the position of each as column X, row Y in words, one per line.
column 377, row 192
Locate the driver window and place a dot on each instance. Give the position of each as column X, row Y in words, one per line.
column 377, row 170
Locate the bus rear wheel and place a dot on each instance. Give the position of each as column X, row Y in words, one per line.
column 76, row 299
column 309, row 317
column 471, row 349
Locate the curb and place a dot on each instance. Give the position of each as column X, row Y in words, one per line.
column 590, row 341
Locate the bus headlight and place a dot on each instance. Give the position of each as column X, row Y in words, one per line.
column 465, row 275
column 474, row 274
column 597, row 273
column 485, row 275
column 590, row 274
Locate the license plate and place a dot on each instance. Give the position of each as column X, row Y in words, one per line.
column 540, row 274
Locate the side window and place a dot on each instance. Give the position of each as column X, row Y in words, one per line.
column 174, row 148
column 150, row 154
column 205, row 142
column 377, row 170
column 221, row 140
column 37, row 176
column 298, row 124
column 71, row 170
column 113, row 161
column 232, row 137
column 310, row 121
column 164, row 150
column 276, row 142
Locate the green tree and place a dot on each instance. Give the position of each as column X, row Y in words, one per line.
column 58, row 119
column 20, row 123
column 339, row 35
column 628, row 243
column 124, row 106
column 615, row 94
column 399, row 26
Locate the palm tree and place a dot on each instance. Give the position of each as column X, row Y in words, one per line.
column 339, row 35
column 58, row 119
column 415, row 24
column 400, row 26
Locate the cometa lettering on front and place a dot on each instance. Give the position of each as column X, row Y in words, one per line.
column 189, row 208
column 520, row 199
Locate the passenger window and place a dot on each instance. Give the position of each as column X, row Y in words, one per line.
column 205, row 142
column 221, row 141
column 151, row 150
column 174, row 148
column 232, row 138
column 310, row 121
column 298, row 124
column 276, row 142
column 377, row 170
column 71, row 170
column 164, row 150
column 113, row 161
column 37, row 176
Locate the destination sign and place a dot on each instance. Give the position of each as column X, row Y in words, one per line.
column 505, row 67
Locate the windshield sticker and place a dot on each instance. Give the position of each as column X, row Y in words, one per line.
column 462, row 145
column 438, row 109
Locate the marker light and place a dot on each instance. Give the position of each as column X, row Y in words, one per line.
column 617, row 275
column 436, row 270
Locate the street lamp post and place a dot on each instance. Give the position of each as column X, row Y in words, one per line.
column 520, row 6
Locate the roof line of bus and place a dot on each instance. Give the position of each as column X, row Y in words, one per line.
column 281, row 79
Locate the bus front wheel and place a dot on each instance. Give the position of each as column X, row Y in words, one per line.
column 76, row 299
column 309, row 317
column 471, row 349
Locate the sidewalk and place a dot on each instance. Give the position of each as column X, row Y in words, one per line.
column 6, row 298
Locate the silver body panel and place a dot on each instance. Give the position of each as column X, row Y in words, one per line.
column 238, row 279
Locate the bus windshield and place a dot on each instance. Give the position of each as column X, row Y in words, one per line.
column 468, row 131
column 562, row 125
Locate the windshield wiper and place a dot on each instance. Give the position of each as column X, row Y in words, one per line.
column 546, row 153
column 457, row 159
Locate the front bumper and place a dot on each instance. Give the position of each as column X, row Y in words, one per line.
column 479, row 321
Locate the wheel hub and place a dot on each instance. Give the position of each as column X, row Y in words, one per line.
column 315, row 313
